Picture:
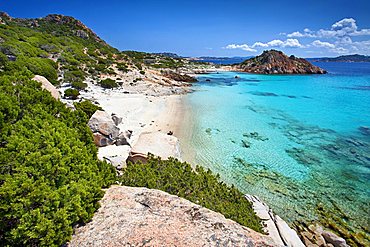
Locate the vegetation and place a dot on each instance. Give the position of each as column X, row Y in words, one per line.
column 50, row 176
column 199, row 186
column 108, row 83
column 79, row 85
column 87, row 107
column 71, row 93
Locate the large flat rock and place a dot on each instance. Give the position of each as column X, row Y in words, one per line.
column 143, row 217
column 157, row 143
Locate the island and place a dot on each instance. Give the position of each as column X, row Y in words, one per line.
column 276, row 62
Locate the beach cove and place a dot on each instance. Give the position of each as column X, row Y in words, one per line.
column 298, row 142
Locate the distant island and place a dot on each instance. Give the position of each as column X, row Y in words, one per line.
column 276, row 62
column 346, row 59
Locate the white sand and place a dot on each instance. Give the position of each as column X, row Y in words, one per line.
column 139, row 113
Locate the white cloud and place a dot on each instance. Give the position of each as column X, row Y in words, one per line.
column 291, row 43
column 243, row 47
column 260, row 44
column 344, row 27
column 318, row 43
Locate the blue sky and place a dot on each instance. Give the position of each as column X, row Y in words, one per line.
column 309, row 28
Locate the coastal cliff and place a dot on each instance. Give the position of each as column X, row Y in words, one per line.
column 276, row 62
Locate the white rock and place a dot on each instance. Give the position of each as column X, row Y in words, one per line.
column 157, row 143
column 276, row 228
column 45, row 84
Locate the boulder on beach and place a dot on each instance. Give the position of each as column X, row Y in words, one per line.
column 45, row 84
column 157, row 143
column 105, row 130
column 103, row 123
column 131, row 216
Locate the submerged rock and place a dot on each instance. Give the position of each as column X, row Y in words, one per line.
column 144, row 217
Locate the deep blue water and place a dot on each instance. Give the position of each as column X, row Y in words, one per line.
column 300, row 142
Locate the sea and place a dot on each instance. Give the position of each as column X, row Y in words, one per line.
column 299, row 142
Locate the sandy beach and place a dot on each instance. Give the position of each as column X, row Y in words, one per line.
column 140, row 113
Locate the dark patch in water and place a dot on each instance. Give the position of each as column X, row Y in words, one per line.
column 307, row 97
column 253, row 80
column 364, row 130
column 357, row 87
column 267, row 94
column 255, row 136
column 289, row 96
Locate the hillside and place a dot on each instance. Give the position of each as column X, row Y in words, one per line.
column 276, row 62
column 67, row 52
column 345, row 58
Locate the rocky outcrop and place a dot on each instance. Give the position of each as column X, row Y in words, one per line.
column 178, row 77
column 157, row 143
column 144, row 217
column 45, row 84
column 105, row 130
column 314, row 236
column 276, row 62
column 276, row 228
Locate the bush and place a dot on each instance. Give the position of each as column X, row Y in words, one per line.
column 50, row 176
column 199, row 186
column 79, row 85
column 71, row 93
column 87, row 107
column 108, row 83
column 142, row 72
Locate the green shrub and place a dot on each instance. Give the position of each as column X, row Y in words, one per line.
column 50, row 177
column 71, row 93
column 142, row 72
column 87, row 107
column 75, row 75
column 108, row 83
column 79, row 85
column 199, row 186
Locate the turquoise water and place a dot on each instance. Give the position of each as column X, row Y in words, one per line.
column 300, row 143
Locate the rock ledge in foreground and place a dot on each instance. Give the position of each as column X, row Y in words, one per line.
column 143, row 217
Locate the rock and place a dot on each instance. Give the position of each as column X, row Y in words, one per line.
column 157, row 143
column 276, row 228
column 289, row 236
column 143, row 217
column 178, row 77
column 276, row 62
column 364, row 130
column 102, row 140
column 103, row 123
column 82, row 34
column 334, row 239
column 117, row 120
column 45, row 84
column 115, row 155
column 123, row 138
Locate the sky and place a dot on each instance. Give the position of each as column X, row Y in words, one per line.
column 306, row 28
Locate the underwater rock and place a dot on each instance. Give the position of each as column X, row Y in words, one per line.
column 255, row 136
column 364, row 130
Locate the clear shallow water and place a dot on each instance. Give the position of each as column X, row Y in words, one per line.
column 298, row 142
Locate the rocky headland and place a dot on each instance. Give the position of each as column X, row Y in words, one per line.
column 276, row 62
